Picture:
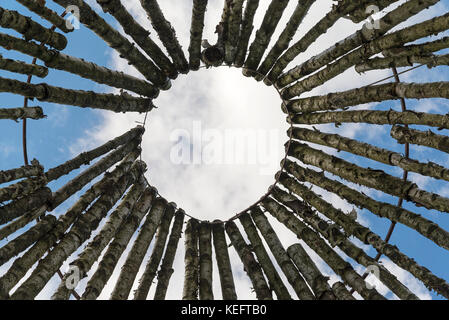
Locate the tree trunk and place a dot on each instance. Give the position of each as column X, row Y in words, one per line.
column 291, row 272
column 313, row 240
column 166, row 270
column 191, row 261
column 25, row 204
column 31, row 30
column 158, row 250
column 118, row 42
column 166, row 33
column 418, row 49
column 235, row 21
column 309, row 270
column 285, row 37
column 93, row 250
column 22, row 113
column 93, row 171
column 274, row 280
column 33, row 170
column 136, row 255
column 352, row 227
column 23, row 68
column 337, row 238
column 85, row 158
column 223, row 261
column 371, row 152
column 22, row 188
column 310, row 37
column 196, row 33
column 205, row 247
column 403, row 61
column 367, row 94
column 341, row 292
column 26, row 239
column 116, row 248
column 263, row 36
column 89, row 70
column 376, row 179
column 84, row 99
column 245, row 32
column 140, row 35
column 251, row 266
column 78, row 234
column 47, row 14
column 23, row 264
column 429, row 139
column 409, row 34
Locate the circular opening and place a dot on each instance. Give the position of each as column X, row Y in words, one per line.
column 215, row 143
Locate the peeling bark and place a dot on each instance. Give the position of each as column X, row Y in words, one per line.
column 251, row 266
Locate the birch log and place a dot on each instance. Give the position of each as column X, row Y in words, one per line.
column 166, row 270
column 245, row 32
column 158, row 250
column 196, row 33
column 22, row 113
column 31, row 29
column 191, row 261
column 32, row 170
column 116, row 248
column 250, row 264
column 137, row 253
column 23, row 68
column 423, row 138
column 205, row 261
column 274, row 280
column 166, row 34
column 223, row 261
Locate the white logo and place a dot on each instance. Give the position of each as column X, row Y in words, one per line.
column 72, row 21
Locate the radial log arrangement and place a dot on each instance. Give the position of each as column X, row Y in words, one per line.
column 116, row 215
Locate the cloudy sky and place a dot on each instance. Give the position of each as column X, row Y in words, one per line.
column 220, row 110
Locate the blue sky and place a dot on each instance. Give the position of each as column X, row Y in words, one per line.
column 222, row 99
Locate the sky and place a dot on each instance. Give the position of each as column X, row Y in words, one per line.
column 218, row 109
